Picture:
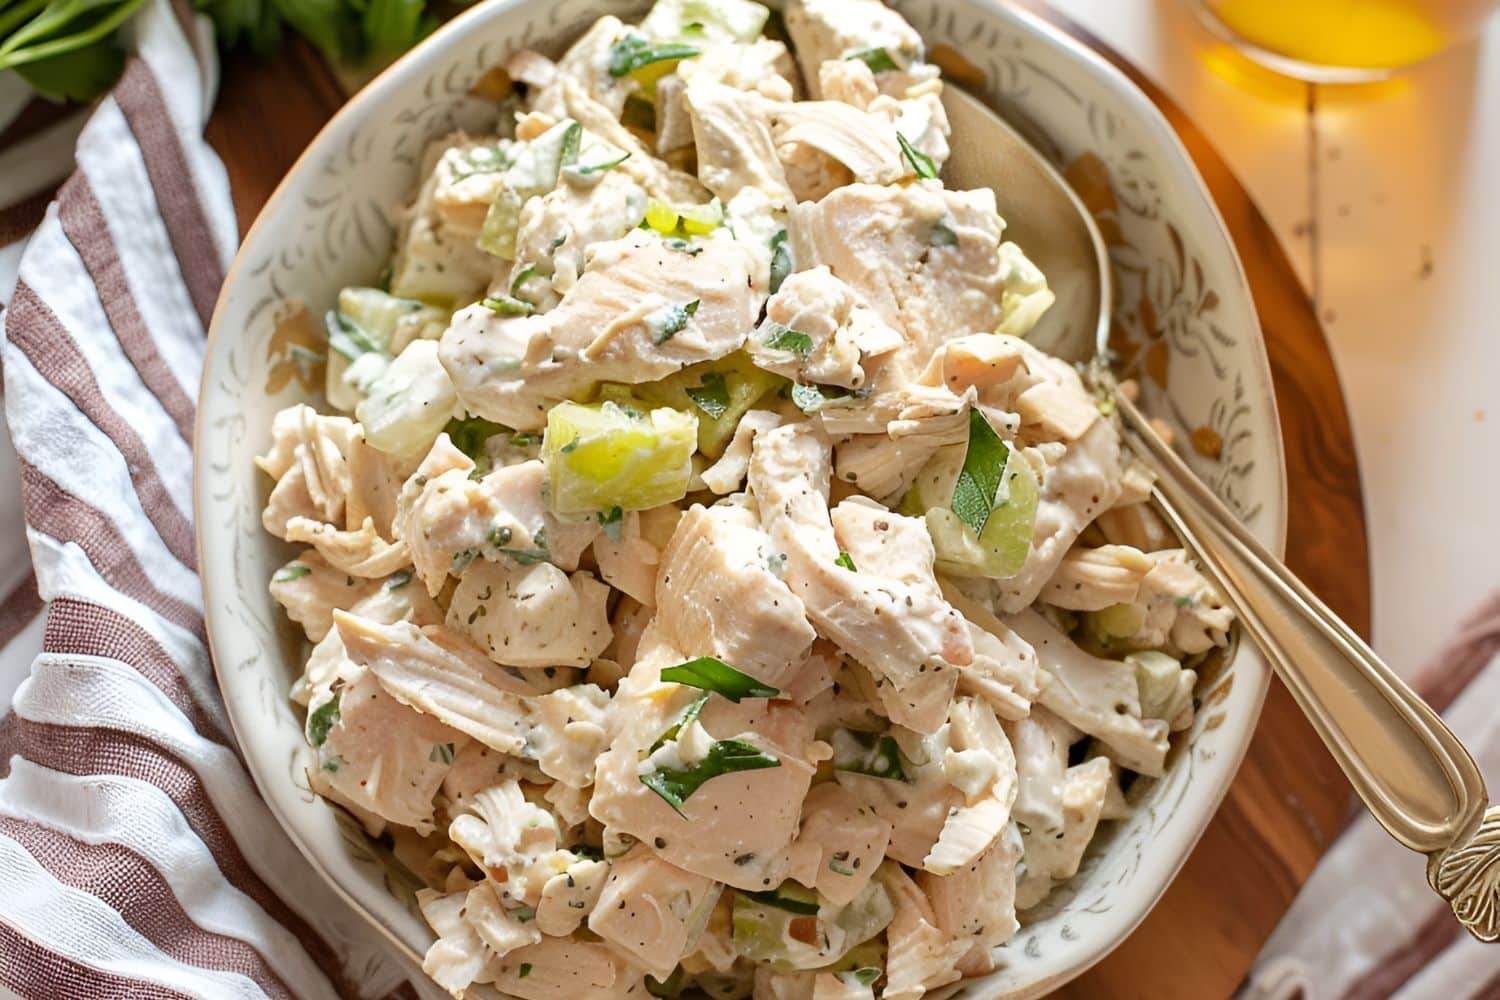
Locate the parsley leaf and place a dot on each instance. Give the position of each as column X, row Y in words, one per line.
column 812, row 398
column 688, row 716
column 572, row 140
column 668, row 321
column 874, row 754
column 709, row 673
column 781, row 260
column 291, row 571
column 322, row 720
column 798, row 903
column 470, row 434
column 677, row 785
column 979, row 480
column 507, row 306
column 878, row 59
column 611, row 521
column 845, row 561
column 942, row 236
column 921, row 164
column 632, row 52
column 784, row 338
column 710, row 395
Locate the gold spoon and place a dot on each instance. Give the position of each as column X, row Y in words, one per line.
column 1413, row 774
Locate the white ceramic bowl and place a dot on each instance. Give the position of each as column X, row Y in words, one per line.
column 1185, row 321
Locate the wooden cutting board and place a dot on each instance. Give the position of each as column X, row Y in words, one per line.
column 1289, row 800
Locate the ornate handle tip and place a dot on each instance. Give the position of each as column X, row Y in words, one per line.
column 1467, row 875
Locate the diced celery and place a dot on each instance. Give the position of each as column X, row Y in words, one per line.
column 1000, row 550
column 370, row 321
column 1108, row 626
column 695, row 390
column 537, row 166
column 684, row 220
column 606, row 455
column 1157, row 675
column 409, row 403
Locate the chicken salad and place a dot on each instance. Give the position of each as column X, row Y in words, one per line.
column 708, row 589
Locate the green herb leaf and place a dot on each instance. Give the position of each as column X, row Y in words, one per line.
column 668, row 321
column 709, row 673
column 797, row 904
column 525, row 440
column 322, row 720
column 632, row 52
column 291, row 571
column 837, row 866
column 942, row 236
column 812, row 398
column 611, row 521
column 599, row 168
column 845, row 561
column 874, row 754
column 684, row 720
column 864, row 976
column 784, row 338
column 677, row 785
column 507, row 306
column 470, row 434
column 781, row 260
column 710, row 395
column 878, row 59
column 345, row 337
column 921, row 164
column 681, row 246
column 524, row 971
column 979, row 481
column 332, row 764
column 520, row 279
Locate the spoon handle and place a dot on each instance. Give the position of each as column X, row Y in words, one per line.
column 1413, row 774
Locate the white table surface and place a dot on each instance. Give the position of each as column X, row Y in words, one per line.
column 1388, row 201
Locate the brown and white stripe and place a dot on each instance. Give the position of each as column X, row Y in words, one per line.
column 136, row 857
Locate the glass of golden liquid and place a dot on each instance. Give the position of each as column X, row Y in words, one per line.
column 1343, row 41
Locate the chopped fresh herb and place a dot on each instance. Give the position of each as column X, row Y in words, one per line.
column 710, row 395
column 461, row 560
column 528, row 557
column 398, row 579
column 812, row 398
column 784, row 338
column 921, row 164
column 979, row 481
column 781, row 260
column 525, row 275
column 776, row 563
column 668, row 321
column 796, row 900
column 442, row 753
column 1185, row 601
column 878, row 59
column 709, row 673
column 874, row 754
column 346, row 338
column 525, row 970
column 525, row 440
column 632, row 52
column 942, row 236
column 332, row 764
column 684, row 720
column 481, row 160
column 291, row 571
column 864, row 976
column 599, row 168
column 470, row 434
column 677, row 785
column 507, row 306
column 499, row 536
column 612, row 521
column 322, row 720
column 845, row 561
column 571, row 141
column 838, row 867
column 525, row 914
column 681, row 246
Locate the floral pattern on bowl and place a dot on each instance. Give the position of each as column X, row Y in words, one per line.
column 1184, row 324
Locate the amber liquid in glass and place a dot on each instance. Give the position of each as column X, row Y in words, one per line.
column 1344, row 40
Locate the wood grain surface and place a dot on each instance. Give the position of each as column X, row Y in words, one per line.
column 1289, row 800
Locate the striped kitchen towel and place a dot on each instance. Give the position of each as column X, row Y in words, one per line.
column 136, row 857
column 1366, row 926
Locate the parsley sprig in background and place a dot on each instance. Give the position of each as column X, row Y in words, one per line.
column 70, row 49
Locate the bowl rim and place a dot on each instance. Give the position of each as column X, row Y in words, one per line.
column 1179, row 161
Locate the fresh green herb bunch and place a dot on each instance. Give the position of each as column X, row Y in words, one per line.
column 69, row 49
